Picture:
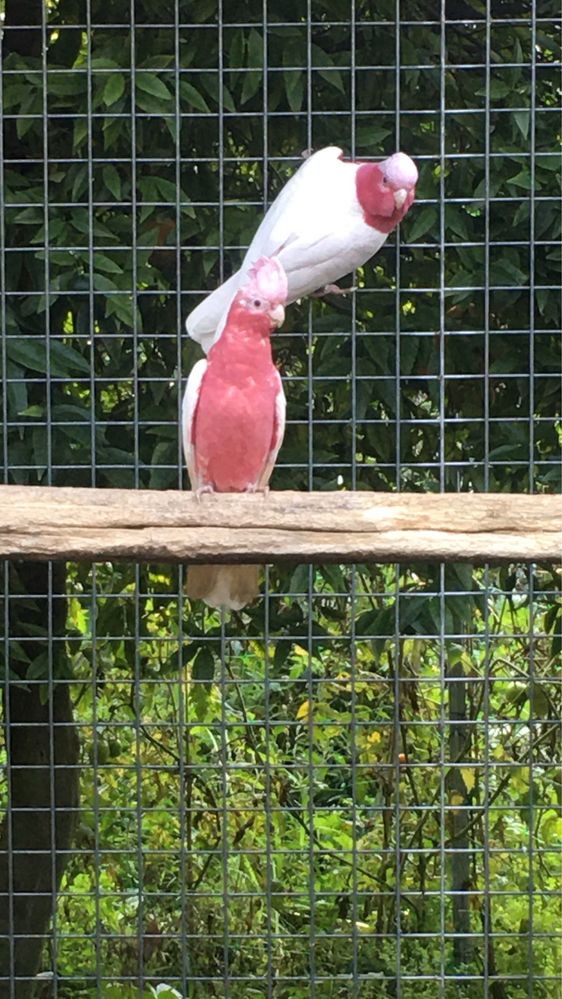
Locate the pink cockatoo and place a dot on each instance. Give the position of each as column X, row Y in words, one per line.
column 234, row 419
column 330, row 217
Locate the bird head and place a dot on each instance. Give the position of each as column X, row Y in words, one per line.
column 265, row 290
column 386, row 190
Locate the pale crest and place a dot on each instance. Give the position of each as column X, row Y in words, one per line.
column 267, row 279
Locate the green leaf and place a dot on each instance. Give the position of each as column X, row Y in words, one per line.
column 17, row 387
column 217, row 93
column 498, row 90
column 147, row 187
column 30, row 353
column 103, row 283
column 294, row 88
column 549, row 162
column 469, row 778
column 112, row 181
column 422, row 222
column 237, row 49
column 522, row 213
column 34, row 215
column 299, row 580
column 102, row 62
column 33, row 411
column 150, row 104
column 457, row 222
column 104, row 263
column 39, row 667
column 153, row 85
column 282, row 652
column 114, row 88
column 331, row 76
column 167, row 189
column 522, row 120
column 123, row 308
column 542, row 297
column 252, row 83
column 522, row 179
column 334, row 78
column 204, row 665
column 372, row 135
column 504, row 271
column 192, row 97
column 26, row 120
column 14, row 95
column 255, row 50
column 80, row 131
column 80, row 184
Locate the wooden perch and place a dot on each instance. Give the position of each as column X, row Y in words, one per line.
column 40, row 523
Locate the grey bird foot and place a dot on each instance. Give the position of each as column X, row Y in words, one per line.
column 257, row 489
column 333, row 289
column 307, row 152
column 202, row 489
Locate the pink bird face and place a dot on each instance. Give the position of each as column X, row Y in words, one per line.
column 265, row 292
column 386, row 190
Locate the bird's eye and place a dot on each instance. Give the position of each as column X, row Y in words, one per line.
column 385, row 180
column 257, row 303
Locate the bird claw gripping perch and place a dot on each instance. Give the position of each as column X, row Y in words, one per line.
column 202, row 489
column 333, row 289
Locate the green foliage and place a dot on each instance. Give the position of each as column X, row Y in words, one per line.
column 198, row 766
column 109, row 243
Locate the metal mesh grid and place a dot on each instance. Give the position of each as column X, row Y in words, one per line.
column 353, row 789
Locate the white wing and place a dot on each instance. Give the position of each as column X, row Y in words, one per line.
column 279, row 433
column 298, row 205
column 189, row 405
column 317, row 231
column 300, row 214
column 315, row 227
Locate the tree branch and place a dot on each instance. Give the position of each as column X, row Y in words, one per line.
column 151, row 525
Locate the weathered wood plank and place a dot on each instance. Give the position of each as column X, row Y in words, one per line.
column 167, row 526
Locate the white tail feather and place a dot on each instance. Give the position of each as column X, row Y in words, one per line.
column 203, row 321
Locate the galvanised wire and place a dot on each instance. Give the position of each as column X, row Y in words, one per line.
column 8, row 831
column 183, row 846
column 312, row 899
column 185, row 909
column 268, row 647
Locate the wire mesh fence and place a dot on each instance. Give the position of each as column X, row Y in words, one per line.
column 351, row 788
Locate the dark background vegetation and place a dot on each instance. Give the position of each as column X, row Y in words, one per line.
column 357, row 782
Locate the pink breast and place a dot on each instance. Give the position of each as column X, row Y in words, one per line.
column 233, row 432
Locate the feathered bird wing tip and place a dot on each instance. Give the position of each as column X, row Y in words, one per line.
column 267, row 278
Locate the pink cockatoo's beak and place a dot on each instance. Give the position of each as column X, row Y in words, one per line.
column 400, row 197
column 277, row 315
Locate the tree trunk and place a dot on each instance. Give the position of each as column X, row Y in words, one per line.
column 459, row 740
column 41, row 740
column 21, row 16
column 42, row 772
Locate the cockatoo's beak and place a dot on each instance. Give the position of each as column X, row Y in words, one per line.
column 400, row 197
column 277, row 315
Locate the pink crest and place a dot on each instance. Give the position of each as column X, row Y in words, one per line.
column 267, row 279
column 401, row 171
